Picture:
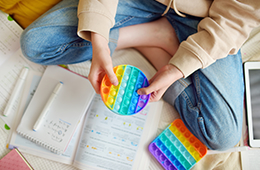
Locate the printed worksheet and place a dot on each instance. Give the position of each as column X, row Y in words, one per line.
column 108, row 140
column 10, row 33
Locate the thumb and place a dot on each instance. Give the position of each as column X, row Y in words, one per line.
column 154, row 86
column 142, row 91
column 111, row 76
column 146, row 90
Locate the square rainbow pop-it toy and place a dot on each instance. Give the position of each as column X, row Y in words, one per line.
column 123, row 98
column 177, row 148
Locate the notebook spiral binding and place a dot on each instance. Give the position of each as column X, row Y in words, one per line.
column 47, row 146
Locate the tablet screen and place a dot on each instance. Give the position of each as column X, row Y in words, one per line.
column 254, row 79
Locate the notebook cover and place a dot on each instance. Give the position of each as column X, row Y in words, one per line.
column 14, row 160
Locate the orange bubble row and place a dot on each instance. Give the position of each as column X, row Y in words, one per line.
column 188, row 139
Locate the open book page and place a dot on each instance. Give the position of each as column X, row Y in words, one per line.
column 12, row 62
column 27, row 146
column 111, row 141
column 10, row 33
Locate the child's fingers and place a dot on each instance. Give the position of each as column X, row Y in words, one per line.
column 155, row 97
column 96, row 86
column 93, row 80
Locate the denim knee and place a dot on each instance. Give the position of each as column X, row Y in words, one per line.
column 53, row 39
column 219, row 138
column 30, row 47
column 55, row 45
column 218, row 126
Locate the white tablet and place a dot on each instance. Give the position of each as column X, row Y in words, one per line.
column 252, row 89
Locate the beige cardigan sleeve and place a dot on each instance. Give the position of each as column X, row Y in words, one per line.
column 96, row 16
column 223, row 32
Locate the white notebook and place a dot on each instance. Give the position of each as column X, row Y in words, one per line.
column 65, row 113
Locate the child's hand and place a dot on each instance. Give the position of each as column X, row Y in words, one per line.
column 159, row 83
column 101, row 63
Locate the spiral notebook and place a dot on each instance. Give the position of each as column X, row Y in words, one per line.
column 67, row 110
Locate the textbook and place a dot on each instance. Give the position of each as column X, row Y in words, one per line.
column 15, row 160
column 102, row 139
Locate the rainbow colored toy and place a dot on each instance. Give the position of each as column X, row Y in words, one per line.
column 177, row 148
column 123, row 98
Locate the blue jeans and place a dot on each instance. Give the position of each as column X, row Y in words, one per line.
column 210, row 101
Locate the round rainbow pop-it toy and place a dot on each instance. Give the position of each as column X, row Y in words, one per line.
column 123, row 98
